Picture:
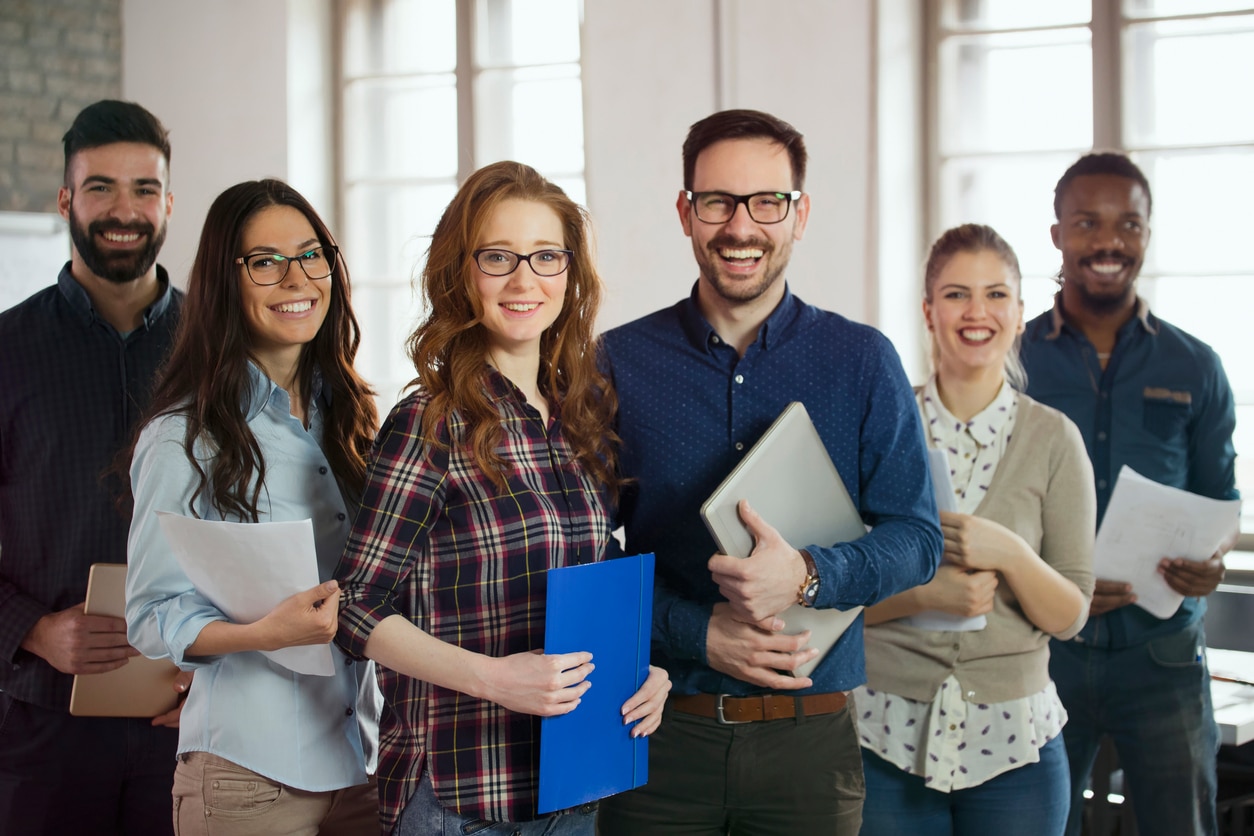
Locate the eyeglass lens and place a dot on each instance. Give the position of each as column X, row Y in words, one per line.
column 503, row 262
column 271, row 268
column 764, row 207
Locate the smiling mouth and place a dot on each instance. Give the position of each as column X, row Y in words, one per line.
column 116, row 237
column 1106, row 266
column 741, row 255
column 520, row 307
column 293, row 307
column 976, row 335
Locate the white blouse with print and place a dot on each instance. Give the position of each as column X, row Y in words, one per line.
column 952, row 743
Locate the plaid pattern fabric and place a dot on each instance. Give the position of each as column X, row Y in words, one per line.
column 437, row 542
column 71, row 390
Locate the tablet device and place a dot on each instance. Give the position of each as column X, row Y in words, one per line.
column 790, row 480
column 142, row 687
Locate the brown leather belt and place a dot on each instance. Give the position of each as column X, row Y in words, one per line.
column 730, row 710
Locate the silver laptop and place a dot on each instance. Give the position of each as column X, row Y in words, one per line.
column 142, row 687
column 790, row 480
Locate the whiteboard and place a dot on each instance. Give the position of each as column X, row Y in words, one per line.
column 33, row 249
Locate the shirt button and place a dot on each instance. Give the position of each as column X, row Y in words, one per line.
column 341, row 516
column 970, row 695
column 1101, row 436
column 714, row 339
column 740, row 378
column 740, row 445
column 322, row 470
column 348, row 712
column 1101, row 483
column 347, row 662
column 953, row 727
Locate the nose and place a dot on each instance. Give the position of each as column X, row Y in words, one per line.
column 123, row 206
column 295, row 275
column 975, row 308
column 1111, row 238
column 740, row 220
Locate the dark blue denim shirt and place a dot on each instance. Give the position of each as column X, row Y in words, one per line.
column 689, row 409
column 1162, row 406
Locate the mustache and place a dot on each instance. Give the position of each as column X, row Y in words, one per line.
column 1106, row 255
column 732, row 242
column 99, row 227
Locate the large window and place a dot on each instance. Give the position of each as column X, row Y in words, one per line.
column 432, row 90
column 1021, row 89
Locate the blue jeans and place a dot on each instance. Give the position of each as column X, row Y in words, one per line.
column 1153, row 700
column 423, row 816
column 1028, row 801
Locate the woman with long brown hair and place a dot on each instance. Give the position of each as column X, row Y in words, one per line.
column 497, row 467
column 259, row 416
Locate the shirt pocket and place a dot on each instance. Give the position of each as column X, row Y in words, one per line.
column 1166, row 411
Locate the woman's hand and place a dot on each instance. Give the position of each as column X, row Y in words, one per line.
column 646, row 704
column 960, row 591
column 535, row 683
column 308, row 617
column 977, row 543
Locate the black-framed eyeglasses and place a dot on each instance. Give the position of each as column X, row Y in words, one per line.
column 497, row 262
column 271, row 268
column 763, row 207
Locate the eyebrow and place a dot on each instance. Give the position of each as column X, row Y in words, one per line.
column 111, row 181
column 501, row 245
column 301, row 248
column 958, row 286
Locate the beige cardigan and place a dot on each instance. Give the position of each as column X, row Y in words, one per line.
column 1042, row 490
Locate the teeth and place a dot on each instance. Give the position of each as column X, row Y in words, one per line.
column 977, row 334
column 742, row 253
column 293, row 307
column 1106, row 267
column 121, row 237
column 520, row 307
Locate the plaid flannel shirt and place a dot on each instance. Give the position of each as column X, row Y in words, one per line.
column 437, row 542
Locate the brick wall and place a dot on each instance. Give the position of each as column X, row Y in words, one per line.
column 56, row 57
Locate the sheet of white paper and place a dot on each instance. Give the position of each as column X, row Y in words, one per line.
column 936, row 619
column 1145, row 522
column 245, row 569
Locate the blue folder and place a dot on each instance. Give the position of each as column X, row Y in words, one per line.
column 606, row 609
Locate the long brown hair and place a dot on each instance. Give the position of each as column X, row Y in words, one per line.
column 206, row 377
column 449, row 348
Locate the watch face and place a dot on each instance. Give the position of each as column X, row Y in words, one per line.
column 811, row 592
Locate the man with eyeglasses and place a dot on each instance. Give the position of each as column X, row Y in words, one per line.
column 79, row 360
column 746, row 746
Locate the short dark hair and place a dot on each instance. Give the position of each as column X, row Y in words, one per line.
column 1101, row 162
column 745, row 124
column 109, row 121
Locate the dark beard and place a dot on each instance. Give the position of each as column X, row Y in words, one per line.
column 118, row 268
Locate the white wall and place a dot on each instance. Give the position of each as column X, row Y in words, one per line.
column 651, row 68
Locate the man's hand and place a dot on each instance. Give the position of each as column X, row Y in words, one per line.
column 181, row 683
column 765, row 583
column 74, row 642
column 960, row 592
column 1192, row 578
column 754, row 652
column 1110, row 595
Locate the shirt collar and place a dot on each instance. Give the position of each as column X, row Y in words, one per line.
column 80, row 302
column 984, row 428
column 261, row 389
column 1143, row 316
column 702, row 335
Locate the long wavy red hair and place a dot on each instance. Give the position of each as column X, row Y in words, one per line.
column 449, row 348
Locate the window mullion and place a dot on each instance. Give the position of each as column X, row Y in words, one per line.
column 1107, row 74
column 465, row 73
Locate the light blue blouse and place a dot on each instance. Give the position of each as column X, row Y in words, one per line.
column 314, row 733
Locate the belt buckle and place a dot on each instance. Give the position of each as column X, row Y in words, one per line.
column 722, row 719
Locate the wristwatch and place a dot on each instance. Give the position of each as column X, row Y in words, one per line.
column 809, row 592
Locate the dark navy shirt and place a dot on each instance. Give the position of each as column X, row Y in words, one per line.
column 689, row 409
column 1162, row 406
column 71, row 390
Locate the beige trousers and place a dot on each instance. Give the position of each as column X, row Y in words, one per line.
column 214, row 797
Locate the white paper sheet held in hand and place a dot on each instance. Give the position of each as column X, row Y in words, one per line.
column 1144, row 523
column 245, row 569
column 938, row 619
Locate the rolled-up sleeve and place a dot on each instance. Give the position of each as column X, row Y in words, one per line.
column 164, row 612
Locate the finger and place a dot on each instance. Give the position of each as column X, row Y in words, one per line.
column 726, row 568
column 170, row 719
column 102, row 624
column 769, row 678
column 183, row 681
column 1104, row 587
column 90, row 667
column 762, row 531
column 569, row 661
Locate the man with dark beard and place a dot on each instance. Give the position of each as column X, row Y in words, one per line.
column 746, row 747
column 78, row 361
column 1148, row 395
